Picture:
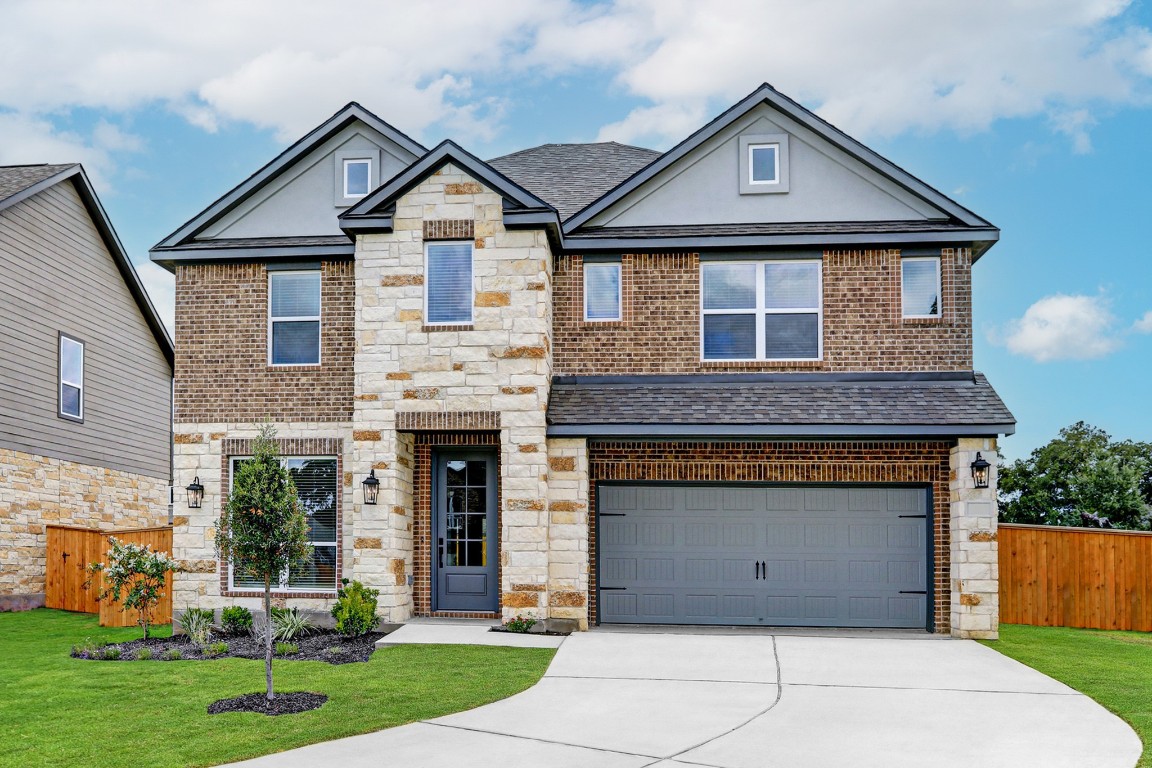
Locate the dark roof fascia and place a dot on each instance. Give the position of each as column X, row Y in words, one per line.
column 169, row 257
column 103, row 224
column 314, row 138
column 767, row 94
column 779, row 430
column 971, row 237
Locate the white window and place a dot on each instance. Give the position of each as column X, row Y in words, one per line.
column 357, row 176
column 768, row 310
column 316, row 486
column 602, row 292
column 448, row 295
column 294, row 318
column 763, row 163
column 920, row 286
column 71, row 377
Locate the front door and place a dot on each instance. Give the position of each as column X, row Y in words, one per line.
column 464, row 549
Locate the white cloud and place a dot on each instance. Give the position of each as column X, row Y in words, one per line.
column 161, row 287
column 1062, row 327
column 28, row 140
column 1144, row 324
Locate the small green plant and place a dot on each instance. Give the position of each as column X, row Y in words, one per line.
column 287, row 649
column 355, row 609
column 86, row 649
column 520, row 624
column 172, row 654
column 143, row 654
column 197, row 624
column 236, row 620
column 215, row 649
column 110, row 653
column 334, row 649
column 289, row 624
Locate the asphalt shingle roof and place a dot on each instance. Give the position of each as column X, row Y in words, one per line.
column 779, row 400
column 570, row 176
column 17, row 178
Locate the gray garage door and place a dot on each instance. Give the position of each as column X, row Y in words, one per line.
column 839, row 556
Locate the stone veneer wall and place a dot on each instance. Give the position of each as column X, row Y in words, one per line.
column 36, row 491
column 975, row 583
column 497, row 368
column 863, row 326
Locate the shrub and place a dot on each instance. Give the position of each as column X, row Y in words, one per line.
column 172, row 654
column 134, row 576
column 355, row 609
column 144, row 654
column 287, row 649
column 520, row 624
column 197, row 624
column 86, row 649
column 236, row 620
column 216, row 649
column 110, row 653
column 290, row 624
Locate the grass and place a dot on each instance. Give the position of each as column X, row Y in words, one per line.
column 1114, row 668
column 56, row 710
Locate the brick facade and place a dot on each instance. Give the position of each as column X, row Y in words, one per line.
column 863, row 326
column 222, row 371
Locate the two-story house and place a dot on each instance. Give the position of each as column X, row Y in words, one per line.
column 727, row 384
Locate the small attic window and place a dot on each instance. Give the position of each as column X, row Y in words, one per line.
column 356, row 177
column 356, row 172
column 764, row 164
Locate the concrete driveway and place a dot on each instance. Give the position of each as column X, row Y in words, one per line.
column 621, row 699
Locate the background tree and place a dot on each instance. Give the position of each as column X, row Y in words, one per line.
column 262, row 529
column 1080, row 478
column 134, row 576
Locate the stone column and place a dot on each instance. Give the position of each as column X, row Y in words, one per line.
column 974, row 573
column 568, row 532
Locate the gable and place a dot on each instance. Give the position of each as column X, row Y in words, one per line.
column 825, row 183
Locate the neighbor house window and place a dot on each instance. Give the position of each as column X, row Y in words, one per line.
column 920, row 286
column 602, row 292
column 356, row 177
column 448, row 284
column 761, row 310
column 763, row 163
column 71, row 376
column 294, row 318
column 316, row 484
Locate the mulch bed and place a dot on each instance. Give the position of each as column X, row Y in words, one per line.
column 323, row 645
column 284, row 703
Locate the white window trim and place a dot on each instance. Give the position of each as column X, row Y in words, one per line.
column 471, row 282
column 939, row 288
column 752, row 180
column 759, row 310
column 349, row 161
column 61, row 381
column 619, row 291
column 283, row 584
column 295, row 318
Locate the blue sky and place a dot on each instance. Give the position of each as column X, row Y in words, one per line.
column 1036, row 114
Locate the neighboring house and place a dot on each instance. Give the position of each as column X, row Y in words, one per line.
column 727, row 384
column 85, row 376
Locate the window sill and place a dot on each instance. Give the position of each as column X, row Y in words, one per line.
column 763, row 363
column 293, row 368
column 922, row 320
column 435, row 328
column 277, row 595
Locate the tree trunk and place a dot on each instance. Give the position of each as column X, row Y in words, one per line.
column 268, row 637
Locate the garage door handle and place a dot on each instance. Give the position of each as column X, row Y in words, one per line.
column 913, row 591
column 613, row 514
column 917, row 516
column 757, row 562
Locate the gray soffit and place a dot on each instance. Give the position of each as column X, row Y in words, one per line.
column 767, row 94
column 75, row 173
column 317, row 136
column 570, row 176
column 778, row 404
column 256, row 249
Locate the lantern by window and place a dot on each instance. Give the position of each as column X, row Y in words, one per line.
column 371, row 488
column 980, row 471
column 195, row 494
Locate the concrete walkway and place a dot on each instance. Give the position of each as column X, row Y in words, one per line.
column 629, row 700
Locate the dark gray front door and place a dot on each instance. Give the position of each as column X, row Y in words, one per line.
column 835, row 556
column 465, row 551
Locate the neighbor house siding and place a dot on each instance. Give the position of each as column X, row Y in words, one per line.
column 863, row 328
column 57, row 275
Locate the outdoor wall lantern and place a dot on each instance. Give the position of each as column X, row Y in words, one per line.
column 980, row 471
column 371, row 488
column 195, row 494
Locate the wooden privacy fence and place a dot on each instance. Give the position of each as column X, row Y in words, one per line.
column 1075, row 577
column 70, row 550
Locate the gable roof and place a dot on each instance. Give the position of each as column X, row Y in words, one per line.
column 521, row 207
column 18, row 183
column 570, row 176
column 347, row 115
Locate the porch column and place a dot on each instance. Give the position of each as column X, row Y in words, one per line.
column 974, row 573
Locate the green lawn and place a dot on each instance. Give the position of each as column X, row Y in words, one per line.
column 1114, row 668
column 57, row 711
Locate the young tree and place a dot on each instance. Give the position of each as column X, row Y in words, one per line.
column 263, row 530
column 134, row 576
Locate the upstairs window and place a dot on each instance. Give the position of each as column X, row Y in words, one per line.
column 294, row 318
column 920, row 287
column 71, row 378
column 448, row 295
column 357, row 175
column 761, row 311
column 763, row 163
column 602, row 292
